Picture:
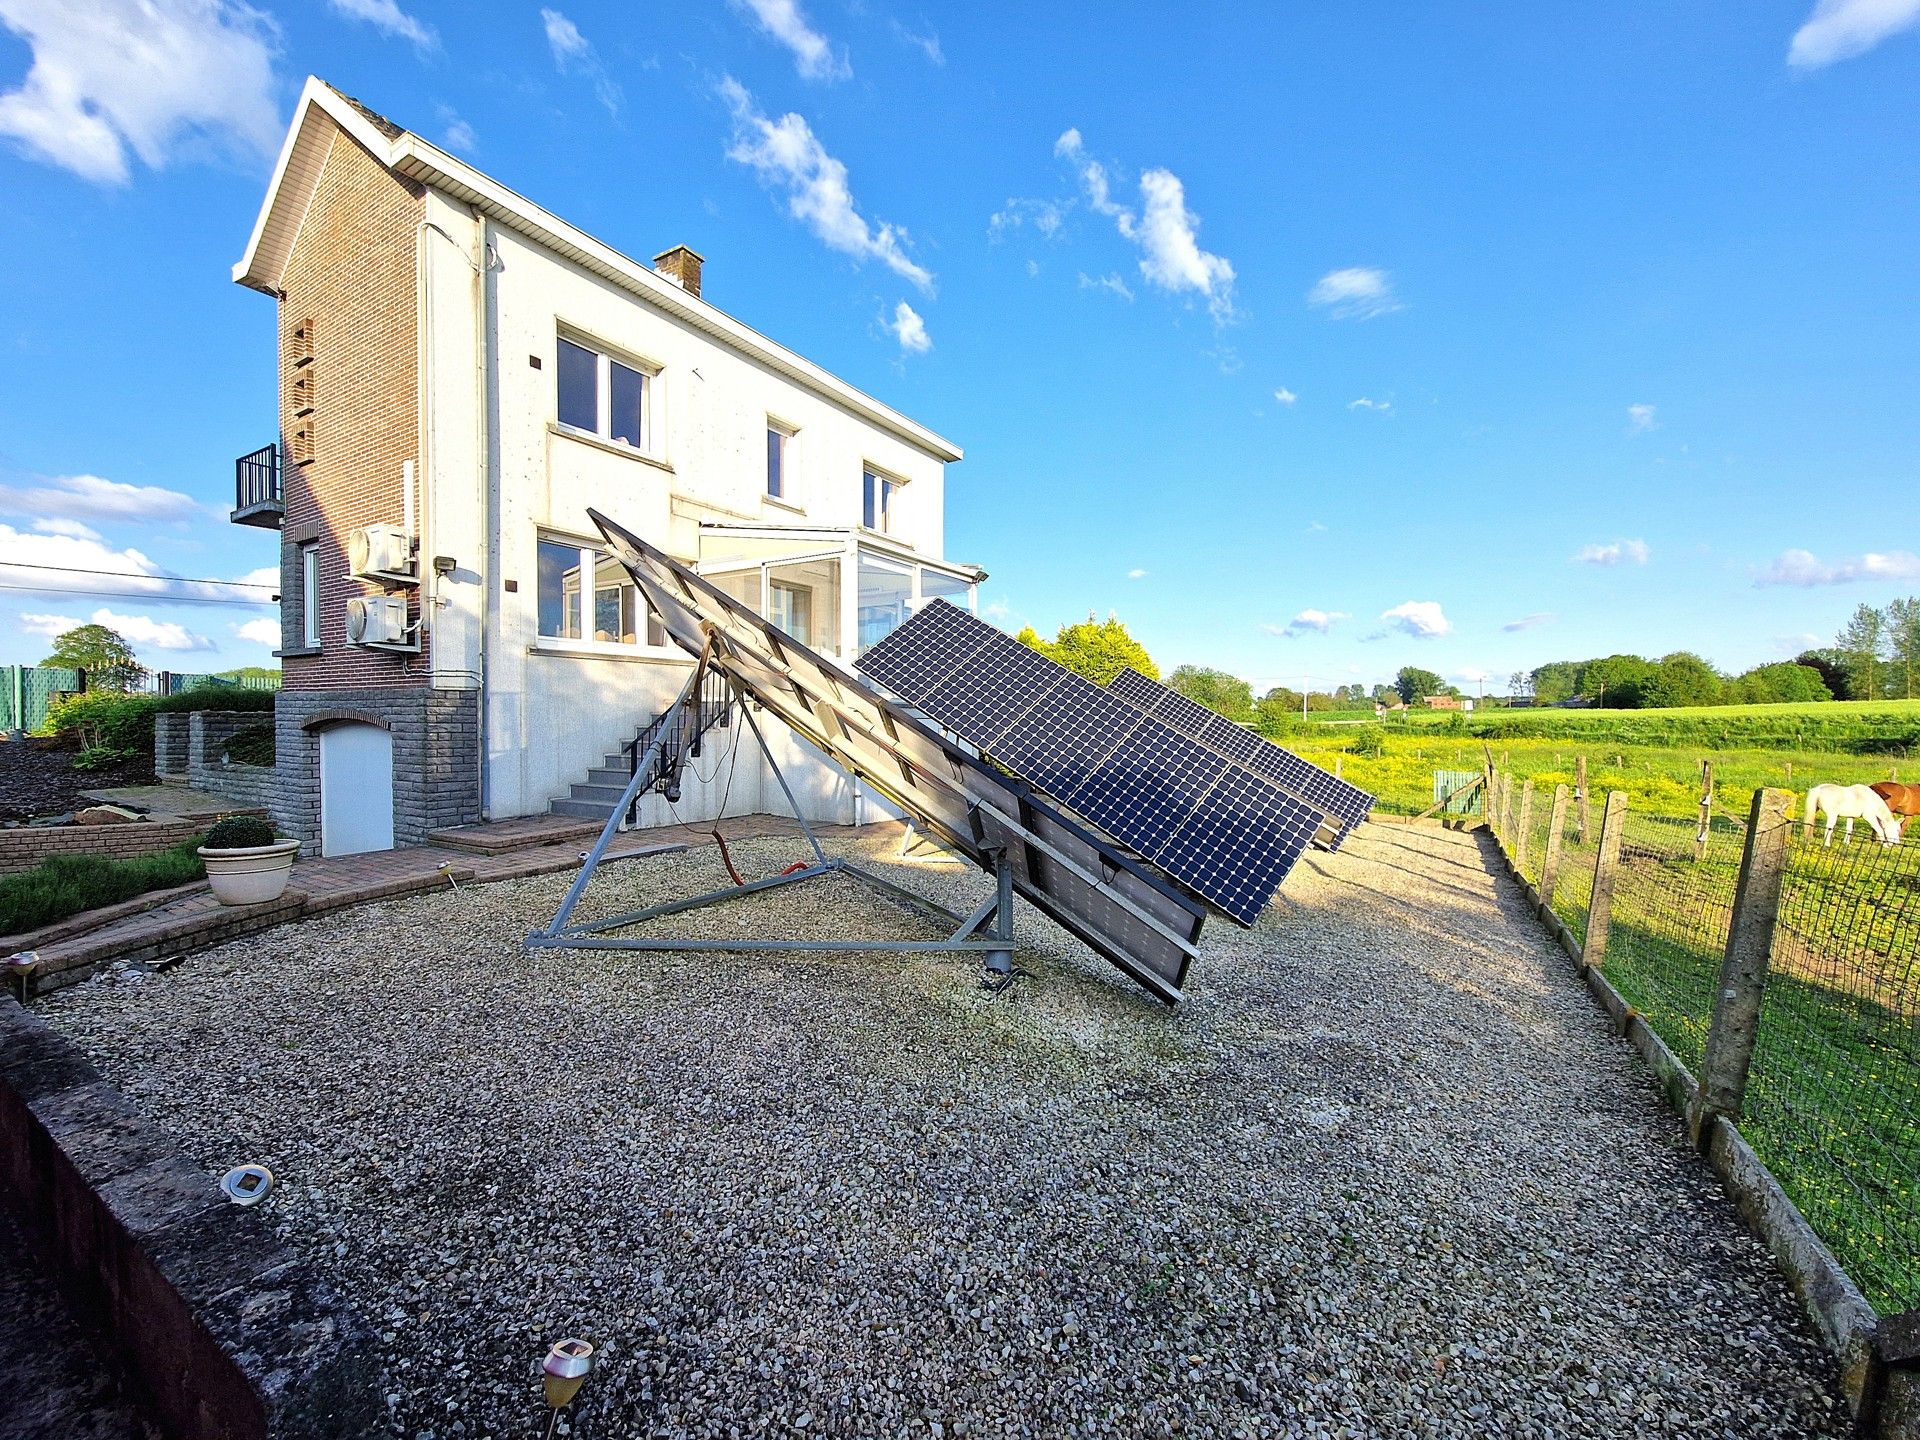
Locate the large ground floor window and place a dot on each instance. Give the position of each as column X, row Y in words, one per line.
column 586, row 595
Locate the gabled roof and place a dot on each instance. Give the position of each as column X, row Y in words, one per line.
column 322, row 108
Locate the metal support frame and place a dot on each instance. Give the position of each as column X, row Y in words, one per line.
column 987, row 932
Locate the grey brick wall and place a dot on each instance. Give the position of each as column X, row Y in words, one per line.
column 206, row 734
column 170, row 746
column 436, row 756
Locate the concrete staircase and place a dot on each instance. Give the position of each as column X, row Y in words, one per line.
column 595, row 797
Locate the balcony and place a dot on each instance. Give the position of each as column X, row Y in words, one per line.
column 256, row 489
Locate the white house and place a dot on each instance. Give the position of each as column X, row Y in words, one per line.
column 462, row 374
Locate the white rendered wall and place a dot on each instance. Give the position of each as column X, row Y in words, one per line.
column 553, row 710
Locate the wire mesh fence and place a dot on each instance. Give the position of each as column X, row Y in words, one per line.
column 1832, row 1104
column 1833, row 1098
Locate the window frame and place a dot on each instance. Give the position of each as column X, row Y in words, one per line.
column 590, row 558
column 605, row 357
column 889, row 487
column 784, row 494
column 310, row 594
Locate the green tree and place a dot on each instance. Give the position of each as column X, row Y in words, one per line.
column 1902, row 621
column 1097, row 649
column 1617, row 681
column 1831, row 669
column 1558, row 681
column 1862, row 643
column 1783, row 683
column 1220, row 692
column 1681, row 678
column 1415, row 684
column 103, row 653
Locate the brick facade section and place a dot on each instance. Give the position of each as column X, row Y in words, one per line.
column 436, row 756
column 352, row 273
column 27, row 845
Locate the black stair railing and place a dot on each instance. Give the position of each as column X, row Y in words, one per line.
column 684, row 729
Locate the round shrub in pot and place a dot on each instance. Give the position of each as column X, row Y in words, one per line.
column 247, row 864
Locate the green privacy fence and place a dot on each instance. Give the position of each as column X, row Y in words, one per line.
column 175, row 682
column 27, row 690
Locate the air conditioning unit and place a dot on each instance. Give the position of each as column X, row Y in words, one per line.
column 381, row 552
column 380, row 623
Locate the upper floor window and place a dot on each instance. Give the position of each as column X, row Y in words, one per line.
column 778, row 440
column 876, row 505
column 604, row 396
column 586, row 594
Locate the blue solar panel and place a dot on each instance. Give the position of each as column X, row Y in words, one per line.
column 1186, row 802
column 1346, row 805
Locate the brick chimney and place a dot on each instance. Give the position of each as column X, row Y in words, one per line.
column 681, row 266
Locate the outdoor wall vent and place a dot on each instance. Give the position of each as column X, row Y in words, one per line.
column 381, row 552
column 379, row 622
column 303, row 391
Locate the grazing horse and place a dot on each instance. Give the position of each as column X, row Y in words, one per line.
column 1902, row 800
column 1850, row 803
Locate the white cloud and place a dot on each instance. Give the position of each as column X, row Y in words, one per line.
column 927, row 44
column 1286, row 397
column 1842, row 29
column 1316, row 527
column 152, row 77
column 573, row 54
column 260, row 632
column 1308, row 622
column 1359, row 292
column 1804, row 568
column 997, row 611
column 1530, row 622
column 1046, row 216
column 910, row 330
column 387, row 16
column 141, row 631
column 1422, row 619
column 1136, row 574
column 1165, row 230
column 813, row 54
column 1112, row 284
column 56, row 562
column 1378, row 407
column 458, row 135
column 785, row 153
column 1641, row 418
column 1619, row 552
column 73, row 529
column 88, row 497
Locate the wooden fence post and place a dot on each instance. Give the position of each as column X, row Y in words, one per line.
column 1606, row 865
column 1526, row 827
column 1506, row 808
column 1744, row 969
column 1556, row 829
column 1337, row 766
column 1580, row 799
column 1706, row 811
column 1490, row 799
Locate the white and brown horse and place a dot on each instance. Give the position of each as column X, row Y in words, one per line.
column 1851, row 803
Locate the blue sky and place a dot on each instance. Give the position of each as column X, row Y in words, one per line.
column 1313, row 342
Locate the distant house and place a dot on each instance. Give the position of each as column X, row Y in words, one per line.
column 462, row 373
column 1446, row 702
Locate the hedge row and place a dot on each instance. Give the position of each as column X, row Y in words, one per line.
column 102, row 718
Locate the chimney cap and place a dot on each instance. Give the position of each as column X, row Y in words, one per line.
column 681, row 265
column 679, row 250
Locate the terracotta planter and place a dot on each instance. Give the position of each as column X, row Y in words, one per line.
column 251, row 875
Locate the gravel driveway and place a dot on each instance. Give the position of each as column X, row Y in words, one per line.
column 1385, row 1173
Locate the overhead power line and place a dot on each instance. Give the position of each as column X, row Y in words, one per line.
column 133, row 575
column 161, row 599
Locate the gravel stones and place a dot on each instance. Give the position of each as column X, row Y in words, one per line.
column 1386, row 1173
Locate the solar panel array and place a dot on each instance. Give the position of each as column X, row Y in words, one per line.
column 1121, row 908
column 1225, row 832
column 1346, row 805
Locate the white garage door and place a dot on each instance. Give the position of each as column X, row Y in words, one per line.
column 356, row 789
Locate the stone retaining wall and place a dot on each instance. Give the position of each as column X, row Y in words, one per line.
column 207, row 767
column 224, row 1329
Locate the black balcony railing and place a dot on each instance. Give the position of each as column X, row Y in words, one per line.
column 256, row 488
